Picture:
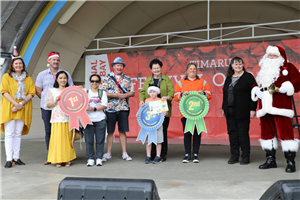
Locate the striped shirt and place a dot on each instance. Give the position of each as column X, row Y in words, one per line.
column 45, row 80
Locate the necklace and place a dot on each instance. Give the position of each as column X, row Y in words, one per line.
column 238, row 75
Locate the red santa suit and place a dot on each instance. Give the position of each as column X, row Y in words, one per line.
column 276, row 109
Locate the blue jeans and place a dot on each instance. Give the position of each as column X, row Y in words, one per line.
column 97, row 129
column 46, row 116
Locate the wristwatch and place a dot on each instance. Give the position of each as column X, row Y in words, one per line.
column 21, row 103
column 95, row 109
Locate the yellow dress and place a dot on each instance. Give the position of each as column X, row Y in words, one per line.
column 9, row 85
column 60, row 146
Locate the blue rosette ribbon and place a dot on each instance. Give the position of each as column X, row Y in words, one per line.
column 149, row 124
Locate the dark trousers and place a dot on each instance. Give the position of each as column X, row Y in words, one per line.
column 188, row 139
column 164, row 145
column 238, row 131
column 46, row 116
column 97, row 130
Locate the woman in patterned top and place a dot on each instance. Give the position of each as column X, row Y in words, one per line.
column 61, row 149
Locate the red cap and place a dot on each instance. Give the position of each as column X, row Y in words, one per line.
column 53, row 54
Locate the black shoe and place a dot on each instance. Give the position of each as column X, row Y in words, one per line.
column 195, row 158
column 290, row 160
column 8, row 164
column 290, row 168
column 270, row 163
column 187, row 158
column 245, row 161
column 163, row 158
column 233, row 160
column 18, row 162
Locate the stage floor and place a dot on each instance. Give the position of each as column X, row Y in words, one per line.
column 211, row 178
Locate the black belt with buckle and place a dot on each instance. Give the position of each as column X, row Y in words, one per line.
column 264, row 89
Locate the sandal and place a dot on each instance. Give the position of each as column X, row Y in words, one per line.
column 47, row 163
column 58, row 165
column 68, row 164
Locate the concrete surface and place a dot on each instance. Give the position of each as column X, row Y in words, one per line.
column 212, row 178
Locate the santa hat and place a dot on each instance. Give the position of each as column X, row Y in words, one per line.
column 154, row 88
column 279, row 51
column 15, row 54
column 52, row 54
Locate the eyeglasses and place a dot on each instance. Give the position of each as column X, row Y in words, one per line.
column 94, row 81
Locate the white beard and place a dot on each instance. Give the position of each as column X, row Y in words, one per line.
column 270, row 71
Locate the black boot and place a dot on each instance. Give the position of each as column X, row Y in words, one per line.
column 290, row 160
column 270, row 163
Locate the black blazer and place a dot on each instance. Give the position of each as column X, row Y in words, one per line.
column 242, row 96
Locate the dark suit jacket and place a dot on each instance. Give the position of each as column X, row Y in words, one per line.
column 242, row 96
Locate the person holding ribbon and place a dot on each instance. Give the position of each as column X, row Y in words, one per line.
column 166, row 93
column 97, row 104
column 238, row 108
column 153, row 92
column 17, row 90
column 61, row 149
column 184, row 87
column 43, row 83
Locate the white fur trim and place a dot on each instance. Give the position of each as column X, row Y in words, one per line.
column 268, row 144
column 285, row 72
column 156, row 89
column 290, row 145
column 253, row 95
column 290, row 88
column 267, row 102
column 273, row 50
column 53, row 56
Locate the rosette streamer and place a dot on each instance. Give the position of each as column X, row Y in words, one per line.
column 149, row 124
column 194, row 107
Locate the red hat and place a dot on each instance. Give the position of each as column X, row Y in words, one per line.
column 52, row 54
column 282, row 53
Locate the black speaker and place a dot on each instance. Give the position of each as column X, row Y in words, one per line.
column 283, row 190
column 72, row 188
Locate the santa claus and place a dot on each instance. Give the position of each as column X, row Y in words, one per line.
column 275, row 105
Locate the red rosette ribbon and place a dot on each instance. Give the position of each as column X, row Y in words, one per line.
column 73, row 102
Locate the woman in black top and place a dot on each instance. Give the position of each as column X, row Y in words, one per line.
column 238, row 108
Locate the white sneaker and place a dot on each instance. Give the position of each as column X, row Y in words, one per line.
column 106, row 157
column 125, row 156
column 90, row 162
column 99, row 162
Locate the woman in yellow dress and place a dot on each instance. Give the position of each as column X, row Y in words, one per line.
column 17, row 90
column 61, row 149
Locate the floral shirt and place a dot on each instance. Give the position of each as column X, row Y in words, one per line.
column 57, row 114
column 109, row 85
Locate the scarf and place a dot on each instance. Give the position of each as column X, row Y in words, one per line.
column 21, row 86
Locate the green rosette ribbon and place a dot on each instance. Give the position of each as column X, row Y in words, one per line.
column 194, row 107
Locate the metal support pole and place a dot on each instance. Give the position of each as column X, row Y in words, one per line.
column 207, row 19
column 221, row 33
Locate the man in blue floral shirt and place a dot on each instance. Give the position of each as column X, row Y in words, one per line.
column 119, row 88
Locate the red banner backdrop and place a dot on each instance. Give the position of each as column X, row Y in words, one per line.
column 212, row 62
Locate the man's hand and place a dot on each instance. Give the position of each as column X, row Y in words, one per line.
column 282, row 89
column 121, row 96
column 259, row 93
